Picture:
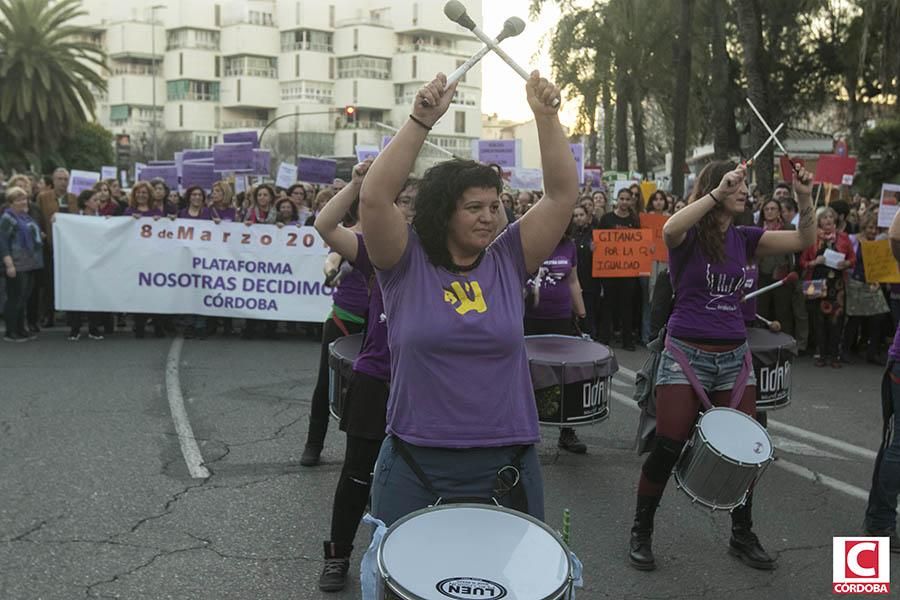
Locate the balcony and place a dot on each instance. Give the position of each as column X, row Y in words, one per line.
column 244, row 124
column 362, row 124
column 430, row 48
column 265, row 72
column 377, row 18
column 310, row 46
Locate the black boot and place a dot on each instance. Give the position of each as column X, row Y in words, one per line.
column 568, row 440
column 310, row 456
column 641, row 554
column 337, row 565
column 744, row 544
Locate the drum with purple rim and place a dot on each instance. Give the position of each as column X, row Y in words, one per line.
column 571, row 378
column 773, row 353
column 341, row 354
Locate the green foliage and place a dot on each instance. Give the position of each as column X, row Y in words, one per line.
column 48, row 76
column 879, row 158
column 88, row 148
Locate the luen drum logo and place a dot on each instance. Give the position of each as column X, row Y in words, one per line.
column 861, row 565
column 471, row 588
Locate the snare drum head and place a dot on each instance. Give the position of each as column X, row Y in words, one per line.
column 735, row 435
column 468, row 551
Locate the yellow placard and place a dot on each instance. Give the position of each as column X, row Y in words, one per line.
column 879, row 262
column 647, row 188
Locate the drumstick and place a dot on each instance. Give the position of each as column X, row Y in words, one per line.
column 791, row 277
column 750, row 162
column 777, row 141
column 512, row 27
column 764, row 320
column 456, row 12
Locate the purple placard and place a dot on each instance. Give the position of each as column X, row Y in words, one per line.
column 169, row 174
column 578, row 153
column 316, row 170
column 189, row 154
column 198, row 173
column 237, row 137
column 262, row 159
column 233, row 158
column 501, row 152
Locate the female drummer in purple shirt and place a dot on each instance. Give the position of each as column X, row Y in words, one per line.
column 461, row 405
column 709, row 256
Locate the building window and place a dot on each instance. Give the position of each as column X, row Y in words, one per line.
column 459, row 122
column 258, row 17
column 251, row 66
column 181, row 63
column 192, row 38
column 218, row 65
column 415, row 67
column 238, row 90
column 296, row 65
column 185, row 89
column 331, row 68
column 306, row 39
column 364, row 67
column 320, row 92
column 181, row 115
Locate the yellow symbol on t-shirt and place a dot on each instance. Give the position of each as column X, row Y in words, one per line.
column 469, row 299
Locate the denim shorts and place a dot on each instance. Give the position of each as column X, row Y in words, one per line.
column 717, row 371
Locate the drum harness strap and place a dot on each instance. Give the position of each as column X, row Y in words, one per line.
column 506, row 484
column 740, row 383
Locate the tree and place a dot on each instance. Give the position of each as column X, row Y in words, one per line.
column 879, row 158
column 47, row 69
column 682, row 95
column 88, row 148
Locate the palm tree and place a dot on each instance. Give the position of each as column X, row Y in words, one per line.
column 47, row 68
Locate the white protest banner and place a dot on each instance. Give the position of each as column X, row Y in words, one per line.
column 526, row 179
column 890, row 202
column 107, row 172
column 82, row 180
column 123, row 178
column 240, row 184
column 188, row 266
column 287, row 175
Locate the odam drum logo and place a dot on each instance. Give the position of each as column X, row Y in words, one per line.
column 471, row 588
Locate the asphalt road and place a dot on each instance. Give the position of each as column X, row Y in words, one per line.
column 97, row 499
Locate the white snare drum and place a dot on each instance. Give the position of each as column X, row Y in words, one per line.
column 727, row 453
column 468, row 551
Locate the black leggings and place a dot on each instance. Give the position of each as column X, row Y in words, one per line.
column 318, row 413
column 618, row 298
column 352, row 493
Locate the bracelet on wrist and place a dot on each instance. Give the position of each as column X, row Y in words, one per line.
column 713, row 196
column 419, row 122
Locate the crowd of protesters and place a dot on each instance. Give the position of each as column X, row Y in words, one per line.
column 833, row 313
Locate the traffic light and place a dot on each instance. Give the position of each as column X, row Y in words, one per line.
column 123, row 151
column 350, row 113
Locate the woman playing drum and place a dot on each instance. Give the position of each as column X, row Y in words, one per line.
column 461, row 415
column 709, row 257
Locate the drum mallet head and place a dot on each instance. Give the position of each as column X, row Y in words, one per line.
column 456, row 12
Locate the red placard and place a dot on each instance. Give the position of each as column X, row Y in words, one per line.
column 787, row 172
column 654, row 222
column 831, row 168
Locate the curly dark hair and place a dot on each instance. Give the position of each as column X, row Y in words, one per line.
column 190, row 190
column 709, row 235
column 438, row 191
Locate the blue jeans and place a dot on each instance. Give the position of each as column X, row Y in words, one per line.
column 881, row 513
column 397, row 492
column 717, row 371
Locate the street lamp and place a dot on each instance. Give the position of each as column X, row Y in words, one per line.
column 153, row 72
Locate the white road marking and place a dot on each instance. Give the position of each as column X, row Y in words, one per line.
column 186, row 438
column 794, row 447
column 814, row 476
column 809, row 436
column 835, row 484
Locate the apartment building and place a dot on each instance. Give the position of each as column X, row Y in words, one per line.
column 202, row 67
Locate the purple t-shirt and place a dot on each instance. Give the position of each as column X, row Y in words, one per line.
column 459, row 371
column 184, row 213
column 708, row 298
column 374, row 358
column 224, row 214
column 352, row 293
column 554, row 295
column 152, row 212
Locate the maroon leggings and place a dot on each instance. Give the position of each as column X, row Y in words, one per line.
column 677, row 408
